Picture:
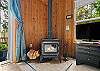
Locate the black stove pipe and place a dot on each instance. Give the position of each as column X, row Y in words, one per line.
column 49, row 19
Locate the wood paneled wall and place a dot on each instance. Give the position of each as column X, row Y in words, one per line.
column 35, row 21
column 35, row 17
column 70, row 35
column 62, row 8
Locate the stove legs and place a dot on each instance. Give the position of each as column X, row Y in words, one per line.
column 43, row 58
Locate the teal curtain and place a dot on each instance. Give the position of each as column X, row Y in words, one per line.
column 20, row 42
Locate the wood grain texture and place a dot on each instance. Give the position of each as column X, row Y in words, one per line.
column 35, row 18
column 35, row 21
column 69, row 35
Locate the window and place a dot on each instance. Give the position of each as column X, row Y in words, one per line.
column 88, row 11
column 4, row 21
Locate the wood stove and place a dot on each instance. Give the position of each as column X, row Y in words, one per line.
column 49, row 47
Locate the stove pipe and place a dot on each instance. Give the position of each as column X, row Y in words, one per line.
column 49, row 19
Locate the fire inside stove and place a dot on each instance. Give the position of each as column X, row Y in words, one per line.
column 50, row 48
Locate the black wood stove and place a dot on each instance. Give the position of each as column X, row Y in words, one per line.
column 50, row 47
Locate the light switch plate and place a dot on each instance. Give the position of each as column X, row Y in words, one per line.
column 67, row 28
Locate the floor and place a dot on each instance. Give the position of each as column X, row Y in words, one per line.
column 47, row 66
